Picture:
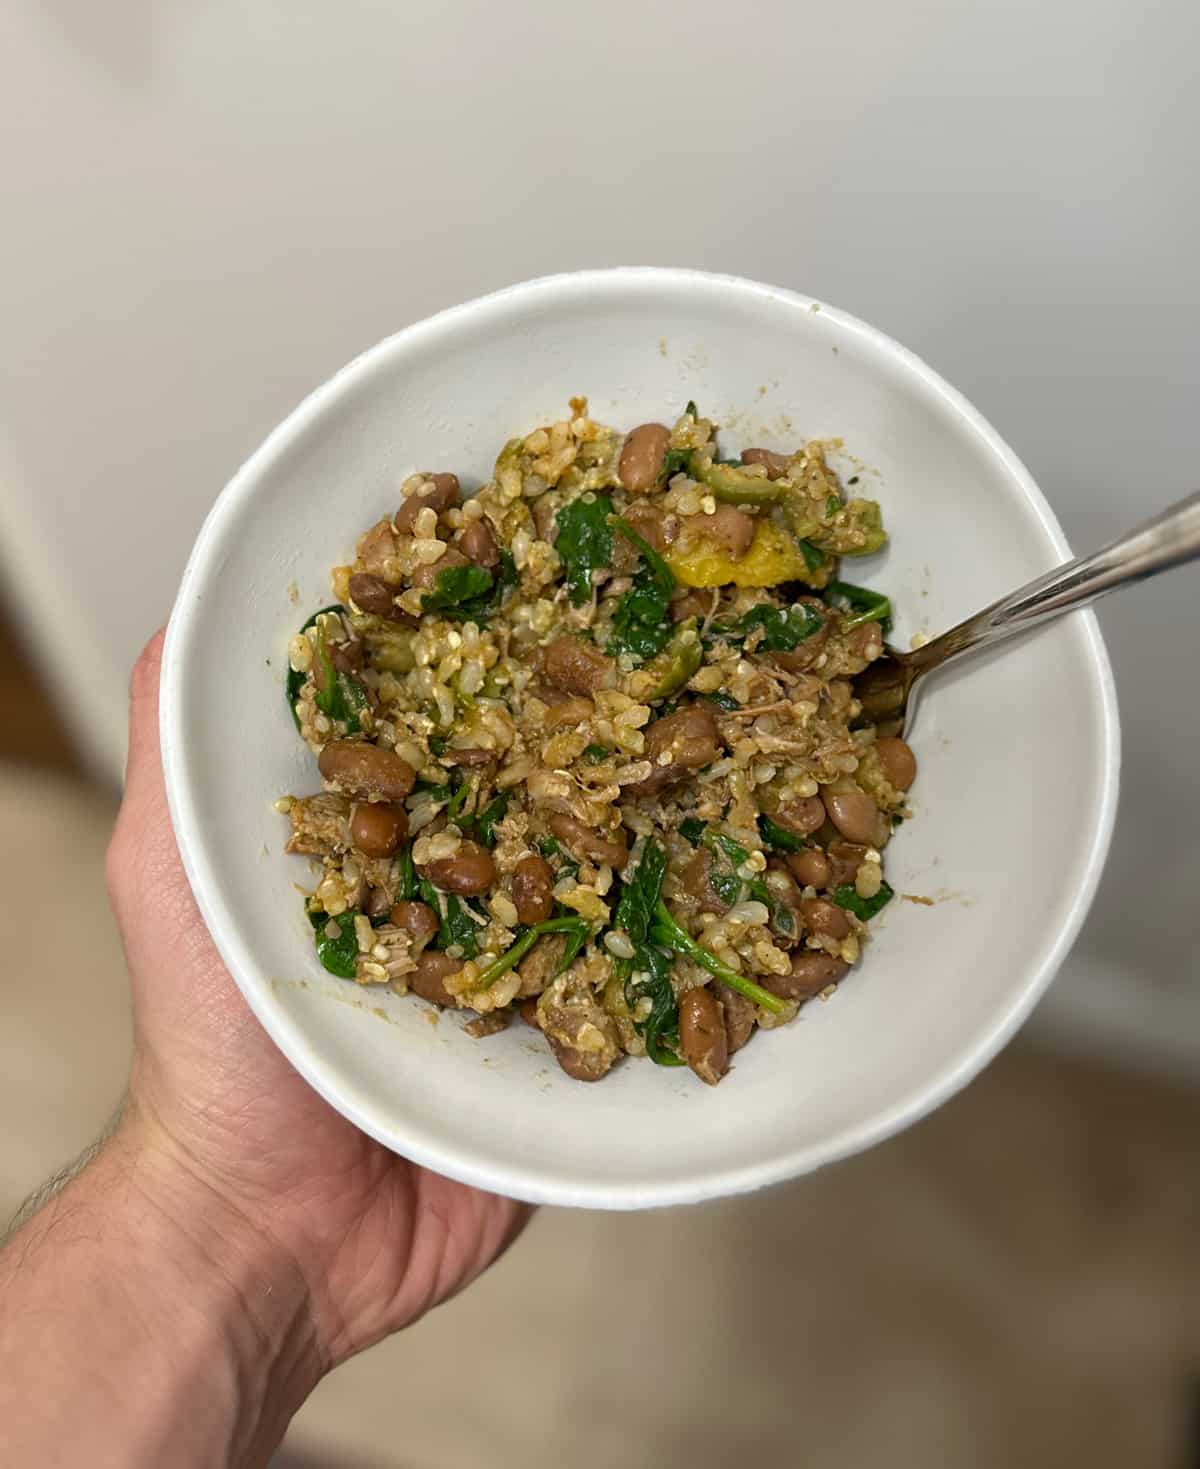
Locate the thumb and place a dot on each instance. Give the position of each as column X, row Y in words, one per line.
column 143, row 765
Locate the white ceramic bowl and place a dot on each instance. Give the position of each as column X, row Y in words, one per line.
column 1019, row 755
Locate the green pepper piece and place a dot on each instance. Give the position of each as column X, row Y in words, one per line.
column 677, row 662
column 731, row 485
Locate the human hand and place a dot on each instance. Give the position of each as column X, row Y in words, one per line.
column 214, row 1106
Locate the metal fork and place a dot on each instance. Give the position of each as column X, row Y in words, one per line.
column 889, row 688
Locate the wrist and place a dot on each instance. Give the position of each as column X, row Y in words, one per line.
column 186, row 1331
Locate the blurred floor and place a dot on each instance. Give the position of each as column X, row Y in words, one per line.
column 1012, row 1282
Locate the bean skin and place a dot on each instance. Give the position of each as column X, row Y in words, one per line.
column 854, row 814
column 426, row 575
column 898, row 761
column 702, row 1036
column 443, row 495
column 469, row 872
column 528, row 1012
column 418, row 919
column 358, row 769
column 429, row 977
column 777, row 464
column 372, row 594
column 378, row 903
column 802, row 817
column 810, row 974
column 533, row 889
column 730, row 528
column 575, row 667
column 810, row 868
column 478, row 544
column 824, row 918
column 689, row 738
column 378, row 827
column 641, row 459
column 695, row 602
column 741, row 1016
column 589, row 845
column 845, row 858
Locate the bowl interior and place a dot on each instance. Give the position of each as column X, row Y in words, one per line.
column 1013, row 804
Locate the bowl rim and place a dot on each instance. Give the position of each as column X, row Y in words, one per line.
column 534, row 1185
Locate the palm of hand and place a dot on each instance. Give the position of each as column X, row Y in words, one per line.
column 377, row 1239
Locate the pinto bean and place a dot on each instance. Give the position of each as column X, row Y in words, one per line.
column 469, row 872
column 641, row 459
column 372, row 594
column 429, row 978
column 652, row 525
column 538, row 966
column 810, row 868
column 378, row 827
column 358, row 769
column 730, row 528
column 377, row 549
column 854, row 814
column 845, row 858
column 809, row 975
column 533, row 889
column 478, row 544
column 741, row 1016
column 802, row 816
column 777, row 464
column 443, row 494
column 575, row 667
column 688, row 739
column 824, row 918
column 702, row 1036
column 528, row 1012
column 587, row 844
column 378, row 903
column 426, row 575
column 898, row 761
column 418, row 919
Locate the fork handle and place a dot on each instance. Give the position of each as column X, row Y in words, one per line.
column 1170, row 539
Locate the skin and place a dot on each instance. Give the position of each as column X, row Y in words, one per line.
column 234, row 1238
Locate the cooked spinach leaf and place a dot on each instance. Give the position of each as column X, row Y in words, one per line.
column 484, row 825
column 864, row 908
column 455, row 926
column 863, row 604
column 783, row 628
column 667, row 932
column 573, row 926
column 594, row 754
column 641, row 624
column 295, row 681
column 722, row 700
column 337, row 951
column 584, row 543
column 691, row 829
column 778, row 838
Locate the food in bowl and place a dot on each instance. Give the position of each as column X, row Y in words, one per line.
column 589, row 745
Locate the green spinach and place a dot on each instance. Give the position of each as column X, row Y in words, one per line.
column 778, row 838
column 863, row 908
column 862, row 604
column 337, row 952
column 584, row 543
column 641, row 623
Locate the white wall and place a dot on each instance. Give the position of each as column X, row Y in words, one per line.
column 207, row 209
